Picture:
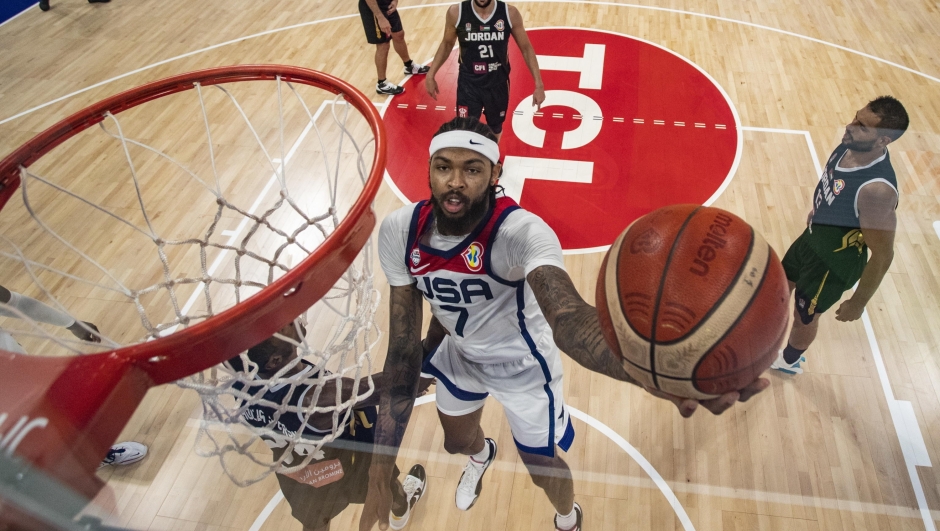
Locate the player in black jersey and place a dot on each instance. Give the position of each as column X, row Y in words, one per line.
column 339, row 474
column 382, row 24
column 482, row 28
column 853, row 211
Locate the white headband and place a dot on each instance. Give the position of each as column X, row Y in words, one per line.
column 467, row 140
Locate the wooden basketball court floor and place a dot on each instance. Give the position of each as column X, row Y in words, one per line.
column 852, row 444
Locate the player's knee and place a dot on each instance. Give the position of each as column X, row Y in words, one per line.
column 398, row 36
column 457, row 444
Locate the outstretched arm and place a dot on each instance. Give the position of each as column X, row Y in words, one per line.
column 878, row 222
column 443, row 51
column 401, row 373
column 528, row 54
column 577, row 331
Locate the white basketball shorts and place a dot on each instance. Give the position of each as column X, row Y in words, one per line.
column 530, row 391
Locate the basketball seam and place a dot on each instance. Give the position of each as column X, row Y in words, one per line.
column 659, row 294
column 735, row 323
column 620, row 300
column 721, row 299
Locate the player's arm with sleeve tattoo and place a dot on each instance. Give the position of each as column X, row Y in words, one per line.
column 577, row 331
column 878, row 222
column 443, row 51
column 401, row 373
column 528, row 54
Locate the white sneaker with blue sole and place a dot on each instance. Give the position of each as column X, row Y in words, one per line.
column 788, row 368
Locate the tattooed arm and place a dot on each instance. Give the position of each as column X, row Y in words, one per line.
column 401, row 374
column 577, row 331
column 575, row 326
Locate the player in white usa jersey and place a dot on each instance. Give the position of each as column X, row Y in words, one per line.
column 494, row 277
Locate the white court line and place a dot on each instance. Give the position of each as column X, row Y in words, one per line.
column 445, row 4
column 640, row 460
column 584, row 417
column 268, row 509
column 910, row 438
column 936, row 228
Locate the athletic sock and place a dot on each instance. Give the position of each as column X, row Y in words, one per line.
column 381, row 81
column 792, row 355
column 567, row 521
column 482, row 455
column 408, row 64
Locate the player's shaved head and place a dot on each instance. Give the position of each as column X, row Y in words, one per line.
column 272, row 353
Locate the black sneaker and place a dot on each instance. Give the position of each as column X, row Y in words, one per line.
column 388, row 88
column 98, row 1
column 415, row 485
column 44, row 5
column 417, row 70
column 577, row 525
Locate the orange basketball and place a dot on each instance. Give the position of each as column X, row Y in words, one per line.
column 693, row 300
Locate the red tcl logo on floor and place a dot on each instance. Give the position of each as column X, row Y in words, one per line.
column 626, row 127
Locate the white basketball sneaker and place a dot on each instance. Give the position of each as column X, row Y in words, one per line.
column 415, row 484
column 788, row 368
column 468, row 490
column 125, row 453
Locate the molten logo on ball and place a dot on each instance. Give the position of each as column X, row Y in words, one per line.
column 695, row 331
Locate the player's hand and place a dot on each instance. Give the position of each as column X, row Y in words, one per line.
column 717, row 406
column 809, row 217
column 385, row 26
column 849, row 311
column 392, row 7
column 538, row 97
column 430, row 84
column 378, row 503
column 79, row 331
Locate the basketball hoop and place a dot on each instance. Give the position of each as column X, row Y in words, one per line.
column 251, row 269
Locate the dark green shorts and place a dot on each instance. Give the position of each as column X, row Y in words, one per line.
column 820, row 282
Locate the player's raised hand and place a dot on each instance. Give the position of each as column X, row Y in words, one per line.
column 430, row 84
column 538, row 98
column 717, row 406
column 378, row 503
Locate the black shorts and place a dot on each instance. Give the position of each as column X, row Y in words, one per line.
column 371, row 26
column 492, row 100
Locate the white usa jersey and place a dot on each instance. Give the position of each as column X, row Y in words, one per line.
column 482, row 300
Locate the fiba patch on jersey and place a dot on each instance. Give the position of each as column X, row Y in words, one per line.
column 838, row 186
column 415, row 257
column 600, row 152
column 500, row 25
column 469, row 27
column 473, row 256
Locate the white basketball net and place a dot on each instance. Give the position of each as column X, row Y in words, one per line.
column 178, row 209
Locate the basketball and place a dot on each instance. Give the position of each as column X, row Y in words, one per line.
column 693, row 300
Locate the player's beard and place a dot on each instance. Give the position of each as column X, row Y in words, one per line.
column 458, row 226
column 856, row 146
column 482, row 5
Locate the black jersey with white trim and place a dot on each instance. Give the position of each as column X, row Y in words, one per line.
column 484, row 44
column 835, row 231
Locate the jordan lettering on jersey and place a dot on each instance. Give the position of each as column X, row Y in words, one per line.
column 484, row 44
column 485, row 35
column 483, row 312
